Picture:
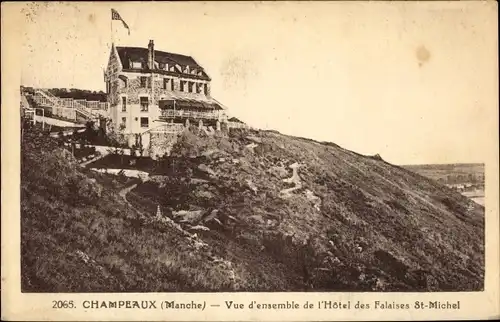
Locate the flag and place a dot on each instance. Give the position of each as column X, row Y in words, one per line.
column 116, row 16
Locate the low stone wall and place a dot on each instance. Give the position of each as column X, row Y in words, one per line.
column 161, row 144
column 159, row 141
column 236, row 125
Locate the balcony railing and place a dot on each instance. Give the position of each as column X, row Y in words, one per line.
column 90, row 109
column 192, row 114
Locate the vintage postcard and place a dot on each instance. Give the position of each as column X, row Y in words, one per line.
column 263, row 161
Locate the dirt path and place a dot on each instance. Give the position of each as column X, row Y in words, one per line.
column 125, row 191
column 58, row 122
column 83, row 164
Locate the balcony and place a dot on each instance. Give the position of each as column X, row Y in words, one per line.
column 209, row 115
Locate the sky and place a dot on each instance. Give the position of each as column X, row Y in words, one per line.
column 414, row 82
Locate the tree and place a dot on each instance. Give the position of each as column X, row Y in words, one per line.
column 140, row 147
column 60, row 136
column 133, row 151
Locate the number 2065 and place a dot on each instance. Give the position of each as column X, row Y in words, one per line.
column 63, row 304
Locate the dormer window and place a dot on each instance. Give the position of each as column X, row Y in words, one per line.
column 187, row 70
column 161, row 66
column 136, row 65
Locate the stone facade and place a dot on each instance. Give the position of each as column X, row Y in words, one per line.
column 112, row 87
column 161, row 144
column 134, row 95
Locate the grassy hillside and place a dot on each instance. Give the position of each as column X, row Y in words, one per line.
column 236, row 218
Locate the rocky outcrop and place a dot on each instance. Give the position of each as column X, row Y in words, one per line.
column 206, row 169
column 193, row 216
column 294, row 179
column 313, row 198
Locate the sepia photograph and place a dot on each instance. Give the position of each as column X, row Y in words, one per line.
column 137, row 178
column 256, row 147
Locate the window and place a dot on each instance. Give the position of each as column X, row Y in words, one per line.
column 144, row 81
column 144, row 104
column 124, row 123
column 161, row 65
column 165, row 83
column 198, row 88
column 190, row 87
column 136, row 65
column 124, row 104
column 183, row 85
column 205, row 89
column 144, row 122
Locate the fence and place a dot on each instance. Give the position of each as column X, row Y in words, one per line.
column 42, row 100
column 192, row 114
column 68, row 107
column 93, row 104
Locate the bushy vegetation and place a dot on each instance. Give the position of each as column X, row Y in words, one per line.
column 79, row 235
column 74, row 93
column 356, row 223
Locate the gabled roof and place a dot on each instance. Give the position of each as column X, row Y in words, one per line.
column 139, row 54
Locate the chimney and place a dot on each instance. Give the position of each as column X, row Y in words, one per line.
column 151, row 54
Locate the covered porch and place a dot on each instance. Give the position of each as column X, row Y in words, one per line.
column 178, row 110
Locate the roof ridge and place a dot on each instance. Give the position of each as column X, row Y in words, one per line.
column 132, row 53
column 156, row 50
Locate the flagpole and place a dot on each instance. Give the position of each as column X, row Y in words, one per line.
column 111, row 29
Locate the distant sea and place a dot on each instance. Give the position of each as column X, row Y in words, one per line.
column 476, row 196
column 479, row 200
